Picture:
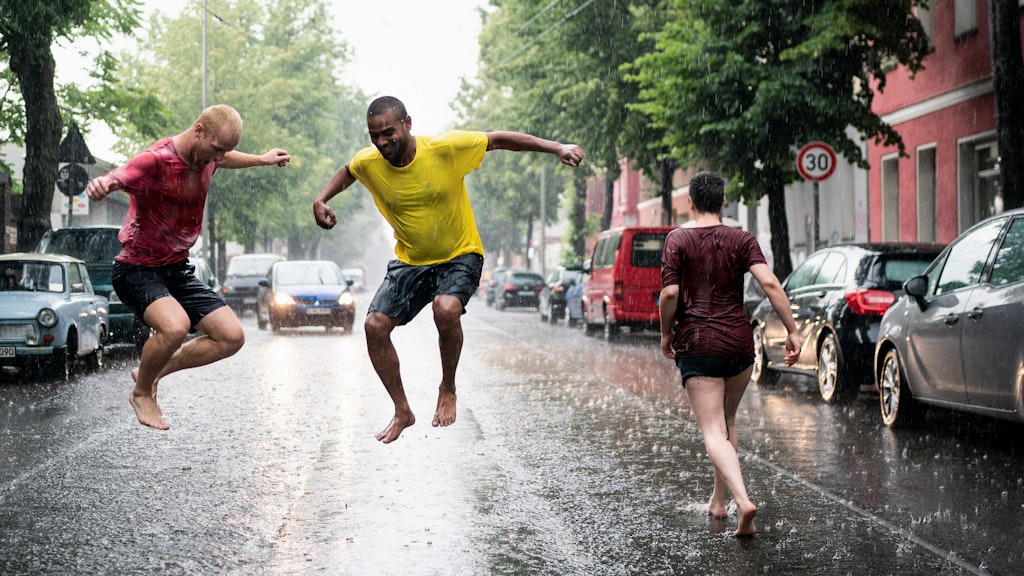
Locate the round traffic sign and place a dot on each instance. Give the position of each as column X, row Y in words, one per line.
column 816, row 161
column 72, row 179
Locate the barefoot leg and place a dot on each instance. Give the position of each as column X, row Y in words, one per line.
column 448, row 318
column 746, row 525
column 384, row 358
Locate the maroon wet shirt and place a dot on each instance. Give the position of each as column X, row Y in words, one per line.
column 165, row 210
column 708, row 265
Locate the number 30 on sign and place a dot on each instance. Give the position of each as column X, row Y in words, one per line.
column 816, row 161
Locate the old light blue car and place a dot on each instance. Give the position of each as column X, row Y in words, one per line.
column 50, row 318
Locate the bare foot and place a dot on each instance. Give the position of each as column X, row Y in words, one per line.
column 395, row 427
column 718, row 509
column 445, row 413
column 147, row 411
column 746, row 526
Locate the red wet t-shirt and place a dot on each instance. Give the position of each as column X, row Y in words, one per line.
column 165, row 210
column 708, row 265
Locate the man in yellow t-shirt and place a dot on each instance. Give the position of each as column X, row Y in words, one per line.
column 417, row 184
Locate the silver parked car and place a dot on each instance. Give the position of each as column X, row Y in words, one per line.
column 957, row 339
column 50, row 317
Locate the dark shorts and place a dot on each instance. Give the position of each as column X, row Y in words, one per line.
column 690, row 366
column 407, row 289
column 140, row 286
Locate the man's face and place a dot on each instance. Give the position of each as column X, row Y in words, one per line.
column 390, row 135
column 211, row 146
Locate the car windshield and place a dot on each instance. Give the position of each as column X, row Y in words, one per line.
column 897, row 269
column 87, row 245
column 250, row 266
column 525, row 278
column 291, row 274
column 31, row 277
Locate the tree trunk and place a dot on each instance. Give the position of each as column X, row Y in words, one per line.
column 611, row 175
column 1008, row 82
column 578, row 216
column 32, row 63
column 666, row 169
column 779, row 223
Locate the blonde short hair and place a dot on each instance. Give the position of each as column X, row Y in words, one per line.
column 221, row 116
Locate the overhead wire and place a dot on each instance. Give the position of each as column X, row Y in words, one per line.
column 565, row 18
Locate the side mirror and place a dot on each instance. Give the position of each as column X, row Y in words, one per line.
column 264, row 282
column 916, row 288
column 586, row 266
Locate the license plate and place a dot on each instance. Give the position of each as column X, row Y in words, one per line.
column 318, row 311
column 6, row 351
column 526, row 292
column 248, row 300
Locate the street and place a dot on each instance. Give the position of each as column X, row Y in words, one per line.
column 570, row 456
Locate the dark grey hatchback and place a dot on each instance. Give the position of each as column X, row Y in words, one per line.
column 838, row 295
column 957, row 339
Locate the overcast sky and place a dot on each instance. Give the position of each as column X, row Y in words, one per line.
column 416, row 50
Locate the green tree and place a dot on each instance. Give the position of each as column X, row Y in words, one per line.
column 31, row 102
column 739, row 85
column 278, row 64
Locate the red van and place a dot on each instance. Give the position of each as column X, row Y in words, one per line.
column 624, row 280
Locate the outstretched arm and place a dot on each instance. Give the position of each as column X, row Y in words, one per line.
column 569, row 154
column 323, row 214
column 236, row 159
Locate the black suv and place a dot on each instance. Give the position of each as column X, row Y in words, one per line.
column 97, row 246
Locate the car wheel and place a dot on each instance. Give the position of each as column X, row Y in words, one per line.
column 62, row 362
column 898, row 406
column 833, row 386
column 543, row 317
column 761, row 373
column 95, row 360
column 611, row 329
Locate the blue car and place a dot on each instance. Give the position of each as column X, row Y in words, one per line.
column 50, row 317
column 305, row 293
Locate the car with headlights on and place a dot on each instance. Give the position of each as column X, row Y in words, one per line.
column 50, row 317
column 838, row 296
column 955, row 341
column 305, row 293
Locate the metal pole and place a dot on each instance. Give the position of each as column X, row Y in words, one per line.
column 814, row 241
column 543, row 220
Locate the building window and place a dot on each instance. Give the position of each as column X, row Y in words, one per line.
column 980, row 193
column 966, row 18
column 927, row 195
column 927, row 19
column 891, row 199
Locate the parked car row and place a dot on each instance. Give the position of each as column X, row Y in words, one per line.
column 922, row 325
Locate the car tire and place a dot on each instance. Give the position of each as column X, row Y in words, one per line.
column 898, row 407
column 761, row 373
column 95, row 360
column 62, row 363
column 833, row 385
column 611, row 329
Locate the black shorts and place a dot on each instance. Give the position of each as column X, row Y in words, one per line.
column 140, row 286
column 691, row 366
column 407, row 289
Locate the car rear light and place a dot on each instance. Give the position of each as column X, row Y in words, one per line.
column 619, row 291
column 558, row 289
column 865, row 301
column 509, row 288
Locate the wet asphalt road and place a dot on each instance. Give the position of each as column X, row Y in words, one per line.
column 570, row 456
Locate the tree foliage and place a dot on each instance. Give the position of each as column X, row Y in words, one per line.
column 740, row 85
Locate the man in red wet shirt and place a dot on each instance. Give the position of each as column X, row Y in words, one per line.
column 167, row 185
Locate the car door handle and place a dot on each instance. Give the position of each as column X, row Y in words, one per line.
column 975, row 314
column 951, row 319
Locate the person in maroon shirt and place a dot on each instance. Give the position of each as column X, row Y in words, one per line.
column 167, row 185
column 704, row 329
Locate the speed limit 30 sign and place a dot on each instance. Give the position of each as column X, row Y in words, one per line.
column 816, row 161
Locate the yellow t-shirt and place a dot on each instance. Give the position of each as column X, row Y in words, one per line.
column 426, row 202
